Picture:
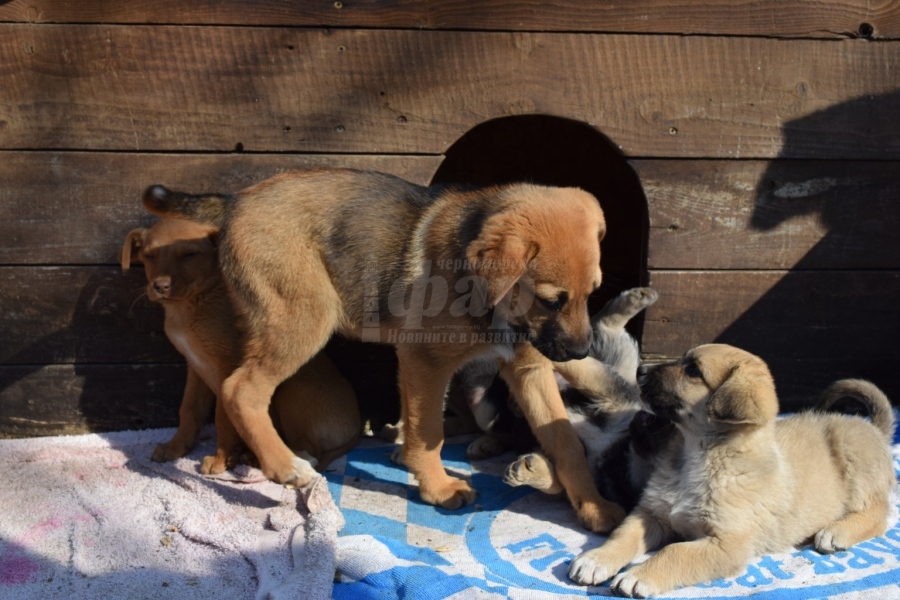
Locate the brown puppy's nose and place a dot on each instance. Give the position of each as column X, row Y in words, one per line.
column 162, row 285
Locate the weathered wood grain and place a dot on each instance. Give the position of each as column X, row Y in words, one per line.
column 373, row 91
column 783, row 214
column 812, row 327
column 71, row 399
column 807, row 18
column 75, row 208
column 79, row 314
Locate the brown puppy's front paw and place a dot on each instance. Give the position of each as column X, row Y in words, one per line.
column 533, row 470
column 169, row 451
column 215, row 464
column 600, row 517
column 451, row 495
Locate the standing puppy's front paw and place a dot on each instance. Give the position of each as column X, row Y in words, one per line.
column 453, row 494
column 589, row 569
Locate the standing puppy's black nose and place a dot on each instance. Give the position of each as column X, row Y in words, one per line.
column 642, row 370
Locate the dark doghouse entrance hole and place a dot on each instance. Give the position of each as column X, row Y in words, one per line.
column 560, row 152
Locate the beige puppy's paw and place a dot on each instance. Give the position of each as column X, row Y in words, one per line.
column 830, row 540
column 485, row 447
column 534, row 470
column 631, row 584
column 589, row 568
column 453, row 494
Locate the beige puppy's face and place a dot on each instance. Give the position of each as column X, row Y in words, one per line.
column 712, row 388
column 179, row 256
column 542, row 262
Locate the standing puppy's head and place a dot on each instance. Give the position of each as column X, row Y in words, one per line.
column 180, row 258
column 540, row 258
column 714, row 387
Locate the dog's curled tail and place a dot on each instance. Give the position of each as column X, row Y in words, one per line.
column 208, row 209
column 880, row 411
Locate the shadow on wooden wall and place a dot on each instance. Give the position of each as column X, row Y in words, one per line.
column 834, row 314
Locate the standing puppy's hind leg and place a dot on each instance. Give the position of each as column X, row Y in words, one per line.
column 284, row 328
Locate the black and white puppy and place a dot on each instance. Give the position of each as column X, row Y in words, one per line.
column 602, row 399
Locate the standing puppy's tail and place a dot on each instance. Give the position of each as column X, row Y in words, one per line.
column 209, row 209
column 880, row 411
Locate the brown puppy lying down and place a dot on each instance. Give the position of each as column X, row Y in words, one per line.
column 315, row 410
column 739, row 484
column 444, row 275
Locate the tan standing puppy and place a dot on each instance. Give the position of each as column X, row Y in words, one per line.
column 444, row 275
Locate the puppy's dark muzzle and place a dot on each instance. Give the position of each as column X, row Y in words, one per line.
column 654, row 394
column 558, row 351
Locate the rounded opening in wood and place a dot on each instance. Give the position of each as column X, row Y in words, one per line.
column 554, row 151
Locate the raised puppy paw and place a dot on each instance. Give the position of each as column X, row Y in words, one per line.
column 534, row 470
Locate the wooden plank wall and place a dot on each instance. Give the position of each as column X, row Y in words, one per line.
column 765, row 136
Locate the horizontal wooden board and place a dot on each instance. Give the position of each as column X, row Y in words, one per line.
column 76, row 208
column 812, row 327
column 73, row 399
column 387, row 91
column 79, row 314
column 783, row 214
column 806, row 18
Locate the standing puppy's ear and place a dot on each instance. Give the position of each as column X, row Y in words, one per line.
column 499, row 257
column 747, row 397
column 133, row 242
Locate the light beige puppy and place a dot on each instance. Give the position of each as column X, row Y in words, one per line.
column 738, row 484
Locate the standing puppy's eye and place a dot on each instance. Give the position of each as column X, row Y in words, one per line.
column 692, row 370
column 555, row 304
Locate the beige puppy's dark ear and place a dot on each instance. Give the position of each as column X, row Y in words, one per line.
column 500, row 258
column 133, row 242
column 747, row 397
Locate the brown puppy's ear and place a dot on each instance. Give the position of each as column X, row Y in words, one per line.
column 133, row 242
column 500, row 258
column 747, row 397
